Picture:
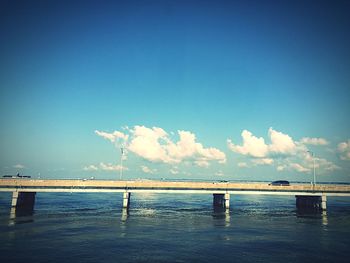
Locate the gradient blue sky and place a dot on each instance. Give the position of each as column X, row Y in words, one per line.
column 211, row 68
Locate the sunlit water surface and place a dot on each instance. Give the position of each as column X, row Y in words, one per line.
column 86, row 227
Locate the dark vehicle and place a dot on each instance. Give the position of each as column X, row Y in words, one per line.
column 16, row 176
column 280, row 182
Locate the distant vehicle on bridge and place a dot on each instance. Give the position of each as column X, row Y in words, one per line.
column 280, row 183
column 16, row 176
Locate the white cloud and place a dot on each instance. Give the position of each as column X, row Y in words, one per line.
column 291, row 166
column 202, row 163
column 90, row 168
column 252, row 145
column 155, row 145
column 19, row 166
column 148, row 170
column 219, row 173
column 263, row 161
column 112, row 167
column 325, row 165
column 305, row 164
column 148, row 143
column 174, row 171
column 314, row 141
column 281, row 143
column 242, row 165
column 113, row 137
column 321, row 164
column 105, row 167
column 285, row 153
column 299, row 168
column 187, row 173
column 344, row 150
column 256, row 147
column 281, row 168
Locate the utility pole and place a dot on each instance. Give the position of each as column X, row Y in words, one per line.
column 314, row 169
column 121, row 162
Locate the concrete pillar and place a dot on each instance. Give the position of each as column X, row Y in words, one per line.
column 218, row 200
column 305, row 202
column 227, row 200
column 14, row 199
column 12, row 216
column 324, row 218
column 324, row 202
column 221, row 200
column 126, row 200
column 22, row 203
column 125, row 213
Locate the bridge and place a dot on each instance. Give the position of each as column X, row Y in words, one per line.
column 307, row 195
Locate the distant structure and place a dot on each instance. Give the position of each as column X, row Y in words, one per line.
column 121, row 162
column 16, row 176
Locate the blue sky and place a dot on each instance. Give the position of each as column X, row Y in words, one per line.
column 232, row 90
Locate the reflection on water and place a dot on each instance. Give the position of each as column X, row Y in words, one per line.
column 147, row 195
column 324, row 218
column 316, row 215
column 13, row 212
column 20, row 216
column 169, row 228
column 221, row 216
column 144, row 211
column 12, row 216
column 125, row 214
column 227, row 218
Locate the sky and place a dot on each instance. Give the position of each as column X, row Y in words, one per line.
column 213, row 90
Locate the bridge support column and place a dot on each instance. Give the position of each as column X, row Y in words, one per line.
column 221, row 200
column 324, row 202
column 14, row 199
column 227, row 201
column 311, row 202
column 22, row 203
column 126, row 200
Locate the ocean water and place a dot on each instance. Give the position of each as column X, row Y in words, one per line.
column 92, row 227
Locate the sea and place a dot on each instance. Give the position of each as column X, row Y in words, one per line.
column 93, row 227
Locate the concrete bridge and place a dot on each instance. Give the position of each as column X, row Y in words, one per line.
column 307, row 195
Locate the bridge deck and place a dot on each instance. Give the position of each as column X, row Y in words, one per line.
column 36, row 185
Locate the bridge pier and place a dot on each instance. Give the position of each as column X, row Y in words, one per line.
column 22, row 203
column 311, row 202
column 221, row 200
column 126, row 200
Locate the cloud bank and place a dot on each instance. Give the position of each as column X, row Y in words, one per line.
column 344, row 150
column 314, row 141
column 148, row 170
column 19, row 166
column 279, row 150
column 155, row 145
column 281, row 144
column 284, row 152
column 105, row 167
